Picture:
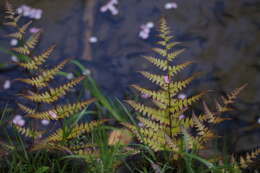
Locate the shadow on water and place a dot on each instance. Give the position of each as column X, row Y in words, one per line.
column 222, row 37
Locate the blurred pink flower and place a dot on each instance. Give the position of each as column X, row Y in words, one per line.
column 34, row 30
column 181, row 117
column 18, row 120
column 166, row 79
column 182, row 96
column 52, row 114
column 45, row 122
column 170, row 5
column 7, row 84
column 110, row 6
column 145, row 96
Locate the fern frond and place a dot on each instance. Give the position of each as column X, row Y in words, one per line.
column 28, row 132
column 173, row 55
column 85, row 128
column 160, row 63
column 244, row 162
column 36, row 61
column 46, row 75
column 61, row 111
column 173, row 70
column 154, row 114
column 29, row 44
column 184, row 103
column 21, row 31
column 161, row 96
column 53, row 95
column 157, row 79
column 160, row 51
column 26, row 109
column 233, row 95
column 75, row 131
column 176, row 87
column 164, row 31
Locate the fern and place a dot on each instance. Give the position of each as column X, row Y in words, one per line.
column 159, row 124
column 41, row 92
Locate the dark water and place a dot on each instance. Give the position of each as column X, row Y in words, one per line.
column 221, row 36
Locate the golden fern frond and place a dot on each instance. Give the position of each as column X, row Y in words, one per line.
column 164, row 31
column 42, row 79
column 173, row 70
column 26, row 109
column 53, row 95
column 171, row 56
column 28, row 132
column 160, row 51
column 29, row 44
column 233, row 95
column 203, row 131
column 244, row 162
column 21, row 31
column 36, row 61
column 154, row 114
column 61, row 111
column 176, row 87
column 161, row 96
column 157, row 79
column 85, row 128
column 75, row 131
column 160, row 63
column 9, row 8
column 150, row 124
column 153, row 139
column 181, row 104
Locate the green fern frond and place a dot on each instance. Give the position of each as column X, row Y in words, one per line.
column 46, row 75
column 53, row 95
column 36, row 61
column 61, row 111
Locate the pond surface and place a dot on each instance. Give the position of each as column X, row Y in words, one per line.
column 221, row 36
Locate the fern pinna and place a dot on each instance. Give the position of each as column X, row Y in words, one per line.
column 161, row 124
column 43, row 93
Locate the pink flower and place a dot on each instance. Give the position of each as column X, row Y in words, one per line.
column 7, row 84
column 145, row 96
column 18, row 120
column 52, row 114
column 110, row 6
column 34, row 30
column 45, row 122
column 182, row 96
column 170, row 5
column 166, row 79
column 13, row 42
column 181, row 117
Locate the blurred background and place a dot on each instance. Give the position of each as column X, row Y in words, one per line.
column 110, row 37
